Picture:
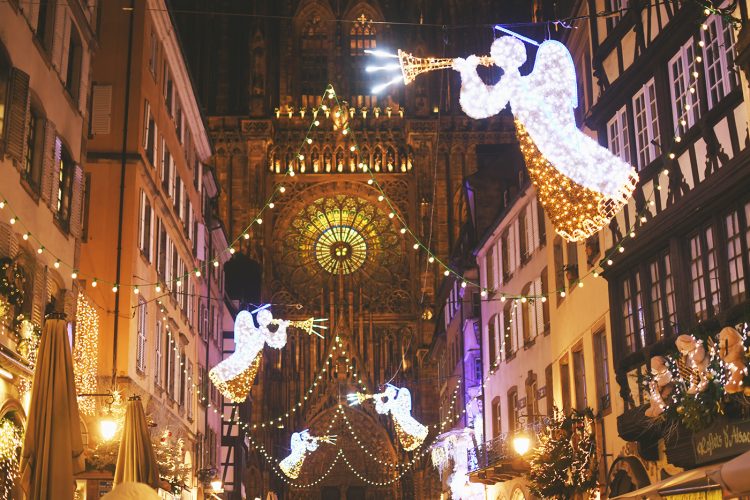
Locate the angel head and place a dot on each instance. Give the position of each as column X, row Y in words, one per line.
column 508, row 52
column 304, row 441
column 393, row 400
column 265, row 317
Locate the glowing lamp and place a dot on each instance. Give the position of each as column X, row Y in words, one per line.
column 107, row 428
column 217, row 485
column 521, row 444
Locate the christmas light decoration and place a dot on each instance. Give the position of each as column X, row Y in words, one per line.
column 696, row 359
column 86, row 353
column 660, row 386
column 453, row 447
column 234, row 376
column 170, row 458
column 11, row 440
column 396, row 402
column 302, row 444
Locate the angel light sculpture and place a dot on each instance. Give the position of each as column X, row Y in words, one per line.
column 234, row 376
column 397, row 402
column 580, row 184
column 302, row 444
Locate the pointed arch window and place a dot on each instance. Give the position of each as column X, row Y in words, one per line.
column 362, row 36
column 314, row 49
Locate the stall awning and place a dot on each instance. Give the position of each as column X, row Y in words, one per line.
column 732, row 476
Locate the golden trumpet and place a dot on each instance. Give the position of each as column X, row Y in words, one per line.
column 412, row 66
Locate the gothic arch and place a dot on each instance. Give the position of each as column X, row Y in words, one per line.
column 371, row 10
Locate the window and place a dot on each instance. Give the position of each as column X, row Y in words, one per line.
column 579, row 375
column 314, row 49
column 592, row 249
column 361, row 37
column 540, row 221
column 601, row 366
column 202, row 386
column 719, row 59
column 140, row 348
column 149, row 135
column 161, row 249
column 514, row 412
column 559, row 261
column 565, row 385
column 617, row 135
column 64, row 188
column 734, row 258
column 169, row 364
column 492, row 337
column 510, row 347
column 527, row 315
column 497, row 418
column 73, row 72
column 544, row 286
column 682, row 77
column 145, row 222
column 32, row 164
column 704, row 275
column 663, row 313
column 190, row 389
column 5, row 72
column 158, row 356
column 182, row 368
column 478, row 370
column 166, row 170
column 168, row 90
column 490, row 268
column 178, row 122
column 616, row 7
column 548, row 388
column 45, row 24
column 532, row 403
column 571, row 270
column 646, row 118
column 633, row 314
column 153, row 52
column 523, row 227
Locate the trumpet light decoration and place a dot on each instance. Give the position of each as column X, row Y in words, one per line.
column 234, row 376
column 302, row 444
column 397, row 402
column 580, row 184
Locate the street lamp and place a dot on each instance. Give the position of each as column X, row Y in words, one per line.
column 521, row 444
column 216, row 485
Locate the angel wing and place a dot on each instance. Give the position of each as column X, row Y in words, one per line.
column 554, row 74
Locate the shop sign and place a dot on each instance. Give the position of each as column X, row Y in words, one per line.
column 724, row 440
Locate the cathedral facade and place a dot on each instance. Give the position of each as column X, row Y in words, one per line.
column 362, row 184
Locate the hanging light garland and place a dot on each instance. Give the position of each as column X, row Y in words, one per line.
column 11, row 440
column 86, row 353
column 302, row 444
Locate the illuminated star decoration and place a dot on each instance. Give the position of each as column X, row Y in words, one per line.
column 580, row 184
column 234, row 376
column 397, row 402
column 301, row 444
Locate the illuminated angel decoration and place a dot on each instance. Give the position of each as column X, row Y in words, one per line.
column 580, row 184
column 302, row 444
column 453, row 448
column 234, row 376
column 397, row 402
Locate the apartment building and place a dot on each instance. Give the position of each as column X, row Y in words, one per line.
column 152, row 249
column 45, row 56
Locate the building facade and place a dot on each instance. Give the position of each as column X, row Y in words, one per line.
column 153, row 248
column 671, row 101
column 45, row 56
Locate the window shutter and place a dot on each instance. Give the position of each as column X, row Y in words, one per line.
column 533, row 225
column 17, row 116
column 101, row 109
column 146, row 124
column 539, row 306
column 5, row 240
column 530, row 239
column 48, row 158
column 54, row 173
column 39, row 294
column 76, row 210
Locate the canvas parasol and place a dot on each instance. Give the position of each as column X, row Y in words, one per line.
column 136, row 460
column 52, row 447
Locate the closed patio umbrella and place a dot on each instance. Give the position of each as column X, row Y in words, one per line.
column 136, row 460
column 52, row 447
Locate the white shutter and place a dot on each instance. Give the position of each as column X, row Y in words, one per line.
column 39, row 298
column 155, row 153
column 59, row 47
column 146, row 122
column 534, row 225
column 141, row 212
column 538, row 306
column 158, row 354
column 101, row 109
column 530, row 247
column 201, row 241
column 140, row 353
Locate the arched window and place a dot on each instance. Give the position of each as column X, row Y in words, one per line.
column 492, row 340
column 362, row 36
column 497, row 423
column 313, row 69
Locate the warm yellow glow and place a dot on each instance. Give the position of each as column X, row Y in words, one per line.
column 107, row 428
column 6, row 374
column 521, row 444
column 86, row 353
column 576, row 212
